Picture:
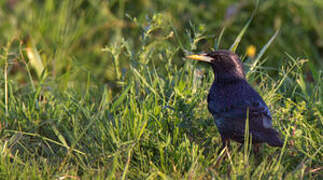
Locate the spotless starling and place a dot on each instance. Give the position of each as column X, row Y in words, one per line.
column 231, row 100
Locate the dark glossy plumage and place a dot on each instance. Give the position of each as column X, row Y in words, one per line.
column 231, row 97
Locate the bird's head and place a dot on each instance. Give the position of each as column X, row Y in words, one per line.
column 226, row 64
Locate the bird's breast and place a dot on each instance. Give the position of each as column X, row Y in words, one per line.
column 225, row 96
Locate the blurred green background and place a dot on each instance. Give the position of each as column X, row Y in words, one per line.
column 70, row 36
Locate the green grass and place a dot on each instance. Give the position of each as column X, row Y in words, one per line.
column 101, row 89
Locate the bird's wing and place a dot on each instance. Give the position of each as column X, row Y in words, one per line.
column 258, row 112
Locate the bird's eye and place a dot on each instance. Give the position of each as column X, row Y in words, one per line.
column 256, row 103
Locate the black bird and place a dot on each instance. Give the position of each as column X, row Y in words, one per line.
column 231, row 98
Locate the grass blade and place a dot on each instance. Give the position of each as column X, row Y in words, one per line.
column 121, row 97
column 217, row 45
column 240, row 35
column 262, row 51
column 34, row 58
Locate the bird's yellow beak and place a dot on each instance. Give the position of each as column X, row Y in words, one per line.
column 200, row 57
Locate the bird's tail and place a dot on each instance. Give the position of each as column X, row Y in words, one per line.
column 273, row 138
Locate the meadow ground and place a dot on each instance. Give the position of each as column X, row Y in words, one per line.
column 101, row 89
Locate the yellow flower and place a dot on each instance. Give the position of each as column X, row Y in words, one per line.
column 251, row 51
